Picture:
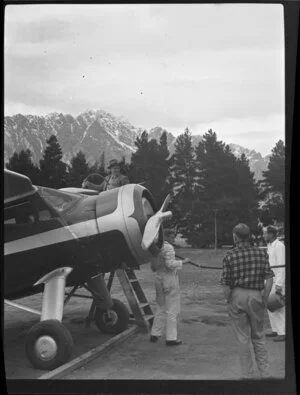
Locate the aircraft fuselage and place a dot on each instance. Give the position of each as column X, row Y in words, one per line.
column 92, row 234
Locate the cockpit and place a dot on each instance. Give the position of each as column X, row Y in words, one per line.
column 61, row 201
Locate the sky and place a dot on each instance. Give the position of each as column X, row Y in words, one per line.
column 201, row 66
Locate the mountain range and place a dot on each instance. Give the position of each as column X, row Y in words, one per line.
column 94, row 132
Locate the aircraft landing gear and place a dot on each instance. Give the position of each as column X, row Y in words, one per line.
column 114, row 320
column 110, row 315
column 49, row 343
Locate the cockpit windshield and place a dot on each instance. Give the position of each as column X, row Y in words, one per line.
column 59, row 200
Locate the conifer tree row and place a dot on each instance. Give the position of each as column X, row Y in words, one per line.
column 22, row 163
column 207, row 182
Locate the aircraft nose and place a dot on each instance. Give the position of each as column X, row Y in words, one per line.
column 128, row 214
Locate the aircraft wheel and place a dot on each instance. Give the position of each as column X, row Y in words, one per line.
column 114, row 320
column 48, row 344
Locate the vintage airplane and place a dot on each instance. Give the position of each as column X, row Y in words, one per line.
column 60, row 238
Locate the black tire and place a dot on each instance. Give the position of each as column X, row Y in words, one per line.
column 119, row 318
column 49, row 335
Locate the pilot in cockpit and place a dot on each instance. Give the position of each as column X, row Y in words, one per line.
column 114, row 180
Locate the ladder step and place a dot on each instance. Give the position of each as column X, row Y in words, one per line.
column 134, row 320
column 141, row 310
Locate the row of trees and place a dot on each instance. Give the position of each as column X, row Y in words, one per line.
column 210, row 182
column 52, row 171
column 207, row 182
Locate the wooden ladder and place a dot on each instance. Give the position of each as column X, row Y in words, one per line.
column 142, row 314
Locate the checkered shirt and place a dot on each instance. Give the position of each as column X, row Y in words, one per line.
column 246, row 267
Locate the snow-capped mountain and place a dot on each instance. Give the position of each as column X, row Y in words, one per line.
column 257, row 162
column 94, row 132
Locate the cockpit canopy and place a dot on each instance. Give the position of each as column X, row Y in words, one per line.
column 61, row 201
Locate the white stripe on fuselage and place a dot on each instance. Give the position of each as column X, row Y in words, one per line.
column 54, row 236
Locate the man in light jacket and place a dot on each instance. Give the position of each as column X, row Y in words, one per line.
column 276, row 251
column 167, row 291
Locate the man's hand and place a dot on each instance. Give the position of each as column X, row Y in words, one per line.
column 267, row 289
column 227, row 293
column 186, row 260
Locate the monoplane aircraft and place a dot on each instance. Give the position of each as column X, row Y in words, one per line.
column 58, row 238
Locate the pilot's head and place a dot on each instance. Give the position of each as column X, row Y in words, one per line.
column 114, row 167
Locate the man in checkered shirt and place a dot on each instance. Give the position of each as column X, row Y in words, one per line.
column 247, row 281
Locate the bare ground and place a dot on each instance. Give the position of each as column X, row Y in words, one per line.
column 208, row 351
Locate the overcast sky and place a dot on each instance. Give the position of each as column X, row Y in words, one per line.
column 175, row 66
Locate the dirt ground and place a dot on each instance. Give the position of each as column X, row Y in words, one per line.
column 209, row 347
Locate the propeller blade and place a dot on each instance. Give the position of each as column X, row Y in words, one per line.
column 152, row 228
column 165, row 203
column 154, row 223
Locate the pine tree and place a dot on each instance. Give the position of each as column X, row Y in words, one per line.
column 53, row 169
column 138, row 165
column 274, row 176
column 184, row 184
column 161, row 186
column 150, row 164
column 183, row 168
column 78, row 170
column 163, row 142
column 102, row 170
column 247, row 190
column 22, row 163
column 140, row 158
column 229, row 192
column 272, row 187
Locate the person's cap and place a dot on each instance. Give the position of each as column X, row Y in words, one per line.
column 242, row 231
column 112, row 163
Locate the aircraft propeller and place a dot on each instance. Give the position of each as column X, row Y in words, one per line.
column 154, row 223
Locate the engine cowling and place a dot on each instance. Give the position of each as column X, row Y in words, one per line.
column 122, row 215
